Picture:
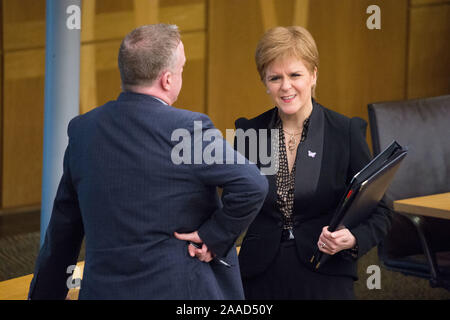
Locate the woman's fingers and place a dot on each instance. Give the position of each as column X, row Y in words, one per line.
column 333, row 242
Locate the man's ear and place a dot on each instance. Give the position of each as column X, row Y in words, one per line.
column 166, row 80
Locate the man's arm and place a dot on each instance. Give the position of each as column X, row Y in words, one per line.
column 62, row 242
column 244, row 191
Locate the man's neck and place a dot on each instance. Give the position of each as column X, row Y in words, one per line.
column 151, row 91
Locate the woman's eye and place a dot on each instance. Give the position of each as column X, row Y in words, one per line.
column 274, row 78
column 295, row 75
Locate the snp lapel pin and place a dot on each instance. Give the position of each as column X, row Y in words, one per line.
column 311, row 154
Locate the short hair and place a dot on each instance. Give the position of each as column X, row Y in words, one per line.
column 147, row 51
column 281, row 42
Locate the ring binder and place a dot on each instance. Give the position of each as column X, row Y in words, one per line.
column 365, row 190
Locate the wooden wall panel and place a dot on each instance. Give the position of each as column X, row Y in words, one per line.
column 1, row 100
column 99, row 75
column 188, row 15
column 23, row 24
column 358, row 65
column 193, row 94
column 1, row 123
column 113, row 19
column 23, row 127
column 23, row 39
column 427, row 2
column 100, row 79
column 24, row 20
column 104, row 24
column 429, row 51
column 234, row 87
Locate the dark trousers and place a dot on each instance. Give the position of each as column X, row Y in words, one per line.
column 288, row 279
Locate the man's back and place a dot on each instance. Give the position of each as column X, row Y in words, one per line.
column 133, row 197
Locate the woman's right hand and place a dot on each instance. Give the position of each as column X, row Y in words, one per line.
column 333, row 242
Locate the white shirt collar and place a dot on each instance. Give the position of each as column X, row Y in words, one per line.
column 160, row 100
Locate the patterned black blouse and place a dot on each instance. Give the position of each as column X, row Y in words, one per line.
column 285, row 180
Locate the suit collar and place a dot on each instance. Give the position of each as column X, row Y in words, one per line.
column 274, row 119
column 309, row 159
column 139, row 97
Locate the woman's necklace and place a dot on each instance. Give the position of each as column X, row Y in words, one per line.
column 292, row 142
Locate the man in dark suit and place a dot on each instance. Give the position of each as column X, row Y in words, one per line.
column 125, row 191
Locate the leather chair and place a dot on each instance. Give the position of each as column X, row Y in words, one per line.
column 416, row 245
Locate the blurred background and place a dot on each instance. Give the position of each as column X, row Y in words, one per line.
column 409, row 57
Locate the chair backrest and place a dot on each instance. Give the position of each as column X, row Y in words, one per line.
column 422, row 125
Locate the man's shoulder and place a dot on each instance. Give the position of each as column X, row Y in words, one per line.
column 185, row 113
column 183, row 118
column 78, row 120
column 260, row 121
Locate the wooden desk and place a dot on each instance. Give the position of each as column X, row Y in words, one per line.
column 436, row 205
column 17, row 288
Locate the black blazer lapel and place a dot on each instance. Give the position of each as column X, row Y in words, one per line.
column 272, row 147
column 309, row 160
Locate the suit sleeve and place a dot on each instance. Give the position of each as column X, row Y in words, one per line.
column 369, row 233
column 62, row 242
column 244, row 191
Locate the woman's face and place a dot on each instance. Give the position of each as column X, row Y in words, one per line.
column 289, row 83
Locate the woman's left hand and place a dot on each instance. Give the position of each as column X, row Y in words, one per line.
column 333, row 242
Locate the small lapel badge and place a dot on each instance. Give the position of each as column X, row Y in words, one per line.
column 311, row 154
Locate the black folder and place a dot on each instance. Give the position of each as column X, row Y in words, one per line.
column 364, row 192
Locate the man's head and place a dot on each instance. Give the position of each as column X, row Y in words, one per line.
column 151, row 60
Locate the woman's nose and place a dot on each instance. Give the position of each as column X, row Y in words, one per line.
column 286, row 84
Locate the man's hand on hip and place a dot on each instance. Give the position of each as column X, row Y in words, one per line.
column 197, row 248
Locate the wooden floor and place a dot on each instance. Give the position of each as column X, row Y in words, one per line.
column 17, row 289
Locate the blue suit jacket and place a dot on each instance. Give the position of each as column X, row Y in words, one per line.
column 122, row 191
